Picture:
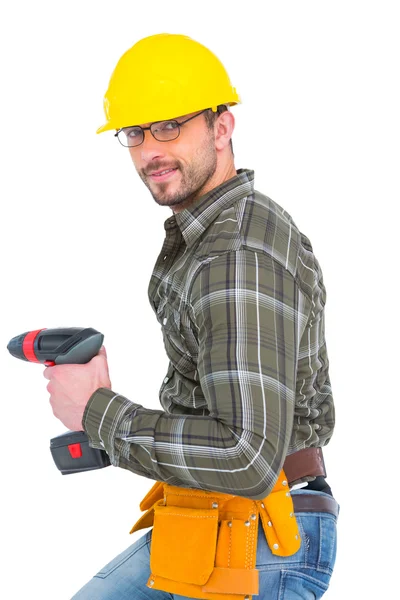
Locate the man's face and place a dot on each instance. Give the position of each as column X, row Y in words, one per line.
column 189, row 161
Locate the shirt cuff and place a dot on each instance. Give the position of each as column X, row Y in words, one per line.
column 102, row 415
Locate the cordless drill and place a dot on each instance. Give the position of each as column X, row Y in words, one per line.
column 72, row 345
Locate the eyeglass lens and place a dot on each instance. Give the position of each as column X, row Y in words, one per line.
column 163, row 132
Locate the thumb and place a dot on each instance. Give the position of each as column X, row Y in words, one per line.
column 103, row 352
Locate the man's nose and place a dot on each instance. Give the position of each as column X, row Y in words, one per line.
column 150, row 148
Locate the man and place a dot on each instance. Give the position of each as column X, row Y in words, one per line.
column 247, row 400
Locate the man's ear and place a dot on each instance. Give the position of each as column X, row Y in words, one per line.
column 224, row 127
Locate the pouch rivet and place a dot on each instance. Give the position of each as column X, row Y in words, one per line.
column 276, row 546
column 151, row 581
column 284, row 482
column 253, row 517
column 269, row 524
column 291, row 515
column 296, row 537
column 262, row 505
column 229, row 523
column 215, row 505
column 247, row 523
column 287, row 493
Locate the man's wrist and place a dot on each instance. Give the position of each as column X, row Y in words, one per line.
column 102, row 415
column 95, row 411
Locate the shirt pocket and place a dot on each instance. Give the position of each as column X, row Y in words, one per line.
column 174, row 340
column 170, row 320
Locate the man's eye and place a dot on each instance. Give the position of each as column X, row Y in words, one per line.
column 133, row 133
column 167, row 126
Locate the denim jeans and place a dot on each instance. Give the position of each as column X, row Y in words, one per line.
column 303, row 576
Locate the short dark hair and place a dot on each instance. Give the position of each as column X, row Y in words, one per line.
column 211, row 117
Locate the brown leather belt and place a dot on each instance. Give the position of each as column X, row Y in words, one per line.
column 315, row 503
column 303, row 463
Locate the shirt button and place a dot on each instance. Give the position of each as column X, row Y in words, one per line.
column 166, row 379
column 166, row 256
column 165, row 320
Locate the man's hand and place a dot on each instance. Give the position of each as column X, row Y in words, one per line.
column 71, row 386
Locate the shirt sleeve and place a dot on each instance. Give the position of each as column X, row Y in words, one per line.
column 244, row 310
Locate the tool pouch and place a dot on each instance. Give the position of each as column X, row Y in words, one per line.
column 183, row 544
column 204, row 543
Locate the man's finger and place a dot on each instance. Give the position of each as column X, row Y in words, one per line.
column 46, row 373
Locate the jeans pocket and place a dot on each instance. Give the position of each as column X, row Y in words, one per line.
column 328, row 542
column 319, row 534
column 147, row 537
column 295, row 585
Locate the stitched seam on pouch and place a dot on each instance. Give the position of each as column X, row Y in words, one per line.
column 246, row 564
column 230, row 544
column 210, row 497
column 252, row 540
column 191, row 516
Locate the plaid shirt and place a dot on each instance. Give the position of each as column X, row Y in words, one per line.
column 240, row 298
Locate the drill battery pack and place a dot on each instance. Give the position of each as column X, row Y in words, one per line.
column 72, row 454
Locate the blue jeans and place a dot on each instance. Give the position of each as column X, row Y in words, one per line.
column 303, row 576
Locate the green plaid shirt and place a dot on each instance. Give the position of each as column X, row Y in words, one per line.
column 240, row 298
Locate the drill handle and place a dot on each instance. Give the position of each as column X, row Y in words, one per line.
column 78, row 347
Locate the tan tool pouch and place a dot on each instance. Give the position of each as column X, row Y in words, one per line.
column 183, row 543
column 204, row 544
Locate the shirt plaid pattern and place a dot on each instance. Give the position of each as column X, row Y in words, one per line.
column 240, row 298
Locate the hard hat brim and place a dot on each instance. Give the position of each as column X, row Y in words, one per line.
column 106, row 127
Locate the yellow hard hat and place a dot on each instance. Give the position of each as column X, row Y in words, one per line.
column 162, row 77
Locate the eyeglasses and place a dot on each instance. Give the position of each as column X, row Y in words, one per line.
column 162, row 131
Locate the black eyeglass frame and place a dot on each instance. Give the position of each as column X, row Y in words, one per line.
column 143, row 129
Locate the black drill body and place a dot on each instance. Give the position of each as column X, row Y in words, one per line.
column 71, row 345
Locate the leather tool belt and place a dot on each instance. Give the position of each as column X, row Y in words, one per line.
column 204, row 543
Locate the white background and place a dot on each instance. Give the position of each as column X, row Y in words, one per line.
column 319, row 124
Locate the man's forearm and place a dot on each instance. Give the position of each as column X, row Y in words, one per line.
column 193, row 451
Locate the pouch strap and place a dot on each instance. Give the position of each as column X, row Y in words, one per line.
column 204, row 593
column 232, row 581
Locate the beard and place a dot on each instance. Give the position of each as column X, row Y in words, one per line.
column 193, row 177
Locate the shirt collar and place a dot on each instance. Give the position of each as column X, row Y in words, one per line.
column 195, row 219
